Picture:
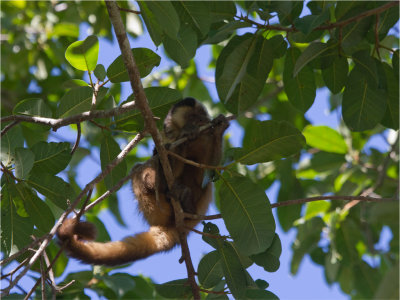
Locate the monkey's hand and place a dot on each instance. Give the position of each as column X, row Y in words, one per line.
column 220, row 122
column 72, row 228
column 190, row 131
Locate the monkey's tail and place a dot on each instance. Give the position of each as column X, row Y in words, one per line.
column 76, row 236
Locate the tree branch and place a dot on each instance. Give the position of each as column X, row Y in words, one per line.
column 363, row 15
column 301, row 201
column 339, row 24
column 319, row 198
column 57, row 123
column 150, row 125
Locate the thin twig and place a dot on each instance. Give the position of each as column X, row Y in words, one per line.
column 42, row 278
column 11, row 273
column 110, row 191
column 129, row 10
column 213, row 236
column 318, row 198
column 51, row 273
column 214, row 292
column 47, row 270
column 301, row 201
column 193, row 163
column 363, row 15
column 78, row 138
column 78, row 118
column 4, row 169
column 23, row 250
column 8, row 127
column 339, row 24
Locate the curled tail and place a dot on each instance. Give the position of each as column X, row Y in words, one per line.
column 77, row 238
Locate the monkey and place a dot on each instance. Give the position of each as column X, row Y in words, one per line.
column 154, row 198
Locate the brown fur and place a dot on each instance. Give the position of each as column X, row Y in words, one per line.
column 147, row 181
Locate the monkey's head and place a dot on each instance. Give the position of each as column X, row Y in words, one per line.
column 186, row 113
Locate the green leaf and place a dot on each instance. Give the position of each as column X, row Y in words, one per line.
column 247, row 214
column 100, row 72
column 73, row 83
column 174, row 289
column 388, row 287
column 335, row 76
column 65, row 29
column 391, row 117
column 347, row 237
column 82, row 55
column 78, row 100
column 182, row 48
column 366, row 64
column 308, row 236
column 268, row 140
column 109, row 150
column 278, row 45
column 24, row 159
column 37, row 210
column 153, row 26
column 363, row 105
column 9, row 142
column 269, row 259
column 195, row 14
column 316, row 208
column 366, row 280
column 313, row 51
column 214, row 230
column 221, row 10
column 34, row 133
column 51, row 158
column 288, row 11
column 210, row 270
column 119, row 283
column 53, row 187
column 353, row 33
column 332, row 265
column 300, row 89
column 145, row 60
column 308, row 23
column 164, row 14
column 242, row 70
column 15, row 230
column 262, row 284
column 234, row 273
column 325, row 138
column 252, row 293
column 160, row 101
column 232, row 64
column 395, row 63
column 290, row 188
column 33, row 107
column 223, row 32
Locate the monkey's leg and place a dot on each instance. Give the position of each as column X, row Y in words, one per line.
column 184, row 195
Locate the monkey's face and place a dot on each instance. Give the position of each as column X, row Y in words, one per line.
column 190, row 115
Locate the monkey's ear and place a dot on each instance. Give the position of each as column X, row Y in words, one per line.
column 149, row 178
